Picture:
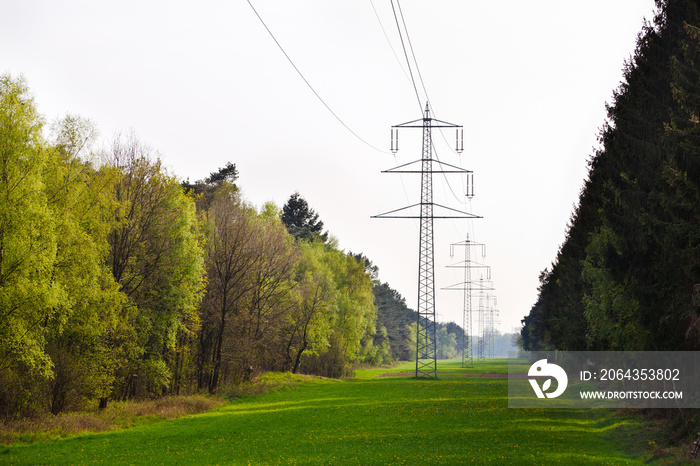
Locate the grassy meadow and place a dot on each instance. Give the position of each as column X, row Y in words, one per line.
column 381, row 416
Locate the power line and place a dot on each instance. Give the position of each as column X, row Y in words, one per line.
column 420, row 77
column 405, row 193
column 415, row 61
column 410, row 46
column 405, row 53
column 309, row 84
column 468, row 201
column 386, row 36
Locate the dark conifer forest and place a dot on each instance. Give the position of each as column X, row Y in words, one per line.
column 627, row 276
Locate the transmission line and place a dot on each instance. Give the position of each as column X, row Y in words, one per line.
column 420, row 77
column 428, row 260
column 413, row 54
column 405, row 53
column 309, row 84
column 386, row 36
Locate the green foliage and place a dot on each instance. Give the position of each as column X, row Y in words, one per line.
column 230, row 261
column 117, row 283
column 301, row 220
column 229, row 174
column 270, row 210
column 100, row 266
column 400, row 323
column 412, row 341
column 28, row 239
column 204, row 189
column 278, row 304
column 310, row 318
column 394, row 315
column 270, row 297
column 625, row 278
column 353, row 318
column 377, row 351
column 155, row 376
column 77, row 332
column 446, row 344
column 156, row 258
column 610, row 311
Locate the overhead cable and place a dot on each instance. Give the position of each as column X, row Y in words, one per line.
column 309, row 84
column 410, row 46
column 405, row 53
column 386, row 36
column 420, row 77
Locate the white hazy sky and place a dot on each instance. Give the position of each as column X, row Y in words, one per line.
column 203, row 83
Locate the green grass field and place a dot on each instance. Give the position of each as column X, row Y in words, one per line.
column 371, row 419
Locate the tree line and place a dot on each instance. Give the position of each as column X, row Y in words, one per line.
column 627, row 276
column 399, row 323
column 117, row 280
column 120, row 281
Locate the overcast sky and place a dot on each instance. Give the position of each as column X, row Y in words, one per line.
column 204, row 84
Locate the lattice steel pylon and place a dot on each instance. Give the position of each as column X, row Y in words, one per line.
column 485, row 328
column 468, row 286
column 493, row 315
column 426, row 342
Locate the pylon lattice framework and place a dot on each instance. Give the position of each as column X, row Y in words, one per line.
column 468, row 286
column 491, row 332
column 426, row 343
column 485, row 321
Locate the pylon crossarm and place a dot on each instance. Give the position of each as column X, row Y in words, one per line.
column 468, row 243
column 387, row 214
column 449, row 213
column 423, row 121
column 473, row 285
column 465, row 214
column 455, row 168
column 467, row 265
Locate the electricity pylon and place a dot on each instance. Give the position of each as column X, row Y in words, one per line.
column 468, row 287
column 485, row 320
column 426, row 350
column 493, row 315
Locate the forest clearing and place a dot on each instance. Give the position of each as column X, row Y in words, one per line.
column 370, row 419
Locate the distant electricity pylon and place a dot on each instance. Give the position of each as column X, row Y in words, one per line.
column 468, row 286
column 485, row 318
column 426, row 349
column 492, row 321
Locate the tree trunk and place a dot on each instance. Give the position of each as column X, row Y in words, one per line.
column 214, row 382
column 298, row 359
column 204, row 343
column 176, row 375
column 58, row 400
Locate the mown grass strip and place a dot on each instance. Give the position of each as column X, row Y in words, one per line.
column 393, row 420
